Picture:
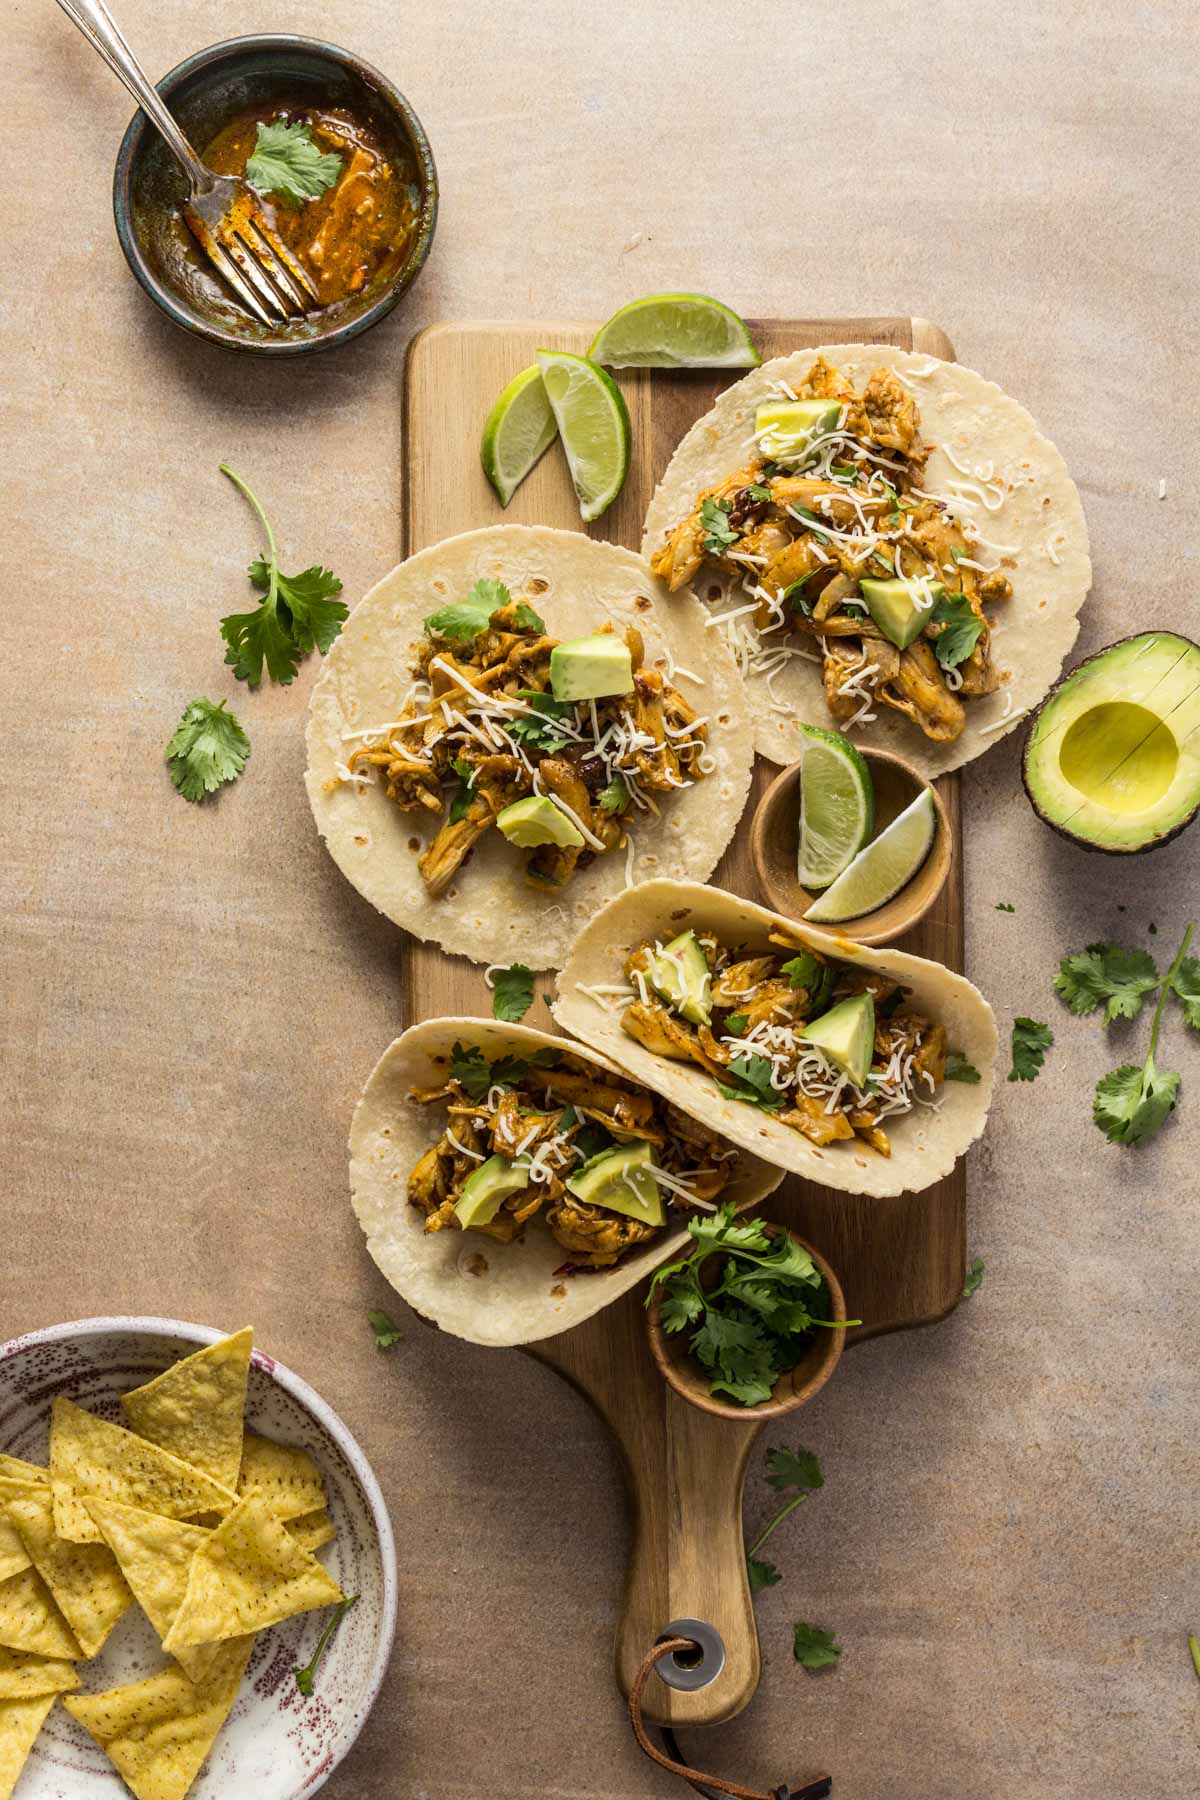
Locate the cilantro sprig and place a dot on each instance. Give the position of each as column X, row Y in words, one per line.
column 463, row 620
column 973, row 1280
column 796, row 1473
column 476, row 1075
column 287, row 162
column 718, row 532
column 207, row 748
column 752, row 1324
column 387, row 1332
column 1132, row 1101
column 297, row 613
column 1030, row 1042
column 512, row 992
column 307, row 1675
column 961, row 629
column 813, row 1648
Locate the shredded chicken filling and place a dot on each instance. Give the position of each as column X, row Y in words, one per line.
column 799, row 540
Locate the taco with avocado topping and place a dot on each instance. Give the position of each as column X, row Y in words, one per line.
column 511, row 1183
column 886, row 541
column 864, row 1070
column 512, row 726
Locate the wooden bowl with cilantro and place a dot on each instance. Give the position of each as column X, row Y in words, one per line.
column 750, row 1323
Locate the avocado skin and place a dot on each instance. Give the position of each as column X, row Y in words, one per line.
column 1061, row 831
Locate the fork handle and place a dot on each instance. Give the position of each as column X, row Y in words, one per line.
column 107, row 39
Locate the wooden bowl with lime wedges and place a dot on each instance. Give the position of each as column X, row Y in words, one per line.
column 863, row 852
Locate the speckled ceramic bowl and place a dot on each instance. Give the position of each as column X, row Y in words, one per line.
column 204, row 93
column 275, row 1745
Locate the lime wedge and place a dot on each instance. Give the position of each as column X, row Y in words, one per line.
column 594, row 426
column 837, row 806
column 882, row 869
column 519, row 429
column 674, row 331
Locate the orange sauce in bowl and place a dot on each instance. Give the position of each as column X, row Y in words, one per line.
column 360, row 226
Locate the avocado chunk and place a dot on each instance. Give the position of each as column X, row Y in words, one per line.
column 896, row 607
column 846, row 1036
column 486, row 1187
column 786, row 428
column 1112, row 760
column 536, row 820
column 591, row 668
column 620, row 1180
column 680, row 974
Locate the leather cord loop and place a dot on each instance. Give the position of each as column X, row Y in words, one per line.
column 712, row 1787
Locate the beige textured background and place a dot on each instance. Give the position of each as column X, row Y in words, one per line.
column 1006, row 1545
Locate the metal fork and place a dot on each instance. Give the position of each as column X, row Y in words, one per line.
column 223, row 211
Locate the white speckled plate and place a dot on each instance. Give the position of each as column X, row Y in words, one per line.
column 275, row 1745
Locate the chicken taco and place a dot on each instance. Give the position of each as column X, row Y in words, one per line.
column 864, row 1070
column 511, row 1183
column 512, row 726
column 887, row 543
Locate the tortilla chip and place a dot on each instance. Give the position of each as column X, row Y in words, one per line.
column 88, row 1587
column 22, row 1675
column 195, row 1409
column 312, row 1530
column 155, row 1555
column 13, row 1555
column 89, row 1456
column 286, row 1476
column 20, row 1722
column 13, row 1469
column 29, row 1619
column 250, row 1574
column 158, row 1732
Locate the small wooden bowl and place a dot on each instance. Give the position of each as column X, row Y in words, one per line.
column 775, row 839
column 681, row 1372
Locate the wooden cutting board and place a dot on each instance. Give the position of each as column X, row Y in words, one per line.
column 900, row 1261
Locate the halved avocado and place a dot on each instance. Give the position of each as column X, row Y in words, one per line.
column 1112, row 760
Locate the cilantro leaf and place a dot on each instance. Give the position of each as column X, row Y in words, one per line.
column 959, row 1069
column 207, row 748
column 754, row 1073
column 974, row 1278
column 961, row 629
column 512, row 993
column 471, row 1069
column 1005, row 906
column 525, row 619
column 387, row 1332
column 1185, row 985
column 758, row 492
column 615, row 797
column 761, row 1574
column 797, row 1469
column 736, row 1023
column 540, row 728
column 719, row 533
column 681, row 1306
column 1030, row 1042
column 1131, row 1102
column 1106, row 972
column 297, row 614
column 460, row 806
column 459, row 623
column 287, row 161
column 306, row 1676
column 814, row 1648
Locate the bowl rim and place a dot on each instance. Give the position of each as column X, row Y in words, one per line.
column 860, row 930
column 136, row 135
column 299, row 1389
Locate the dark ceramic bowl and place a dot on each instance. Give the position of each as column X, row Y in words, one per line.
column 204, row 93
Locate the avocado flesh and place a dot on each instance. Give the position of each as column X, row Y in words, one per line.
column 591, row 668
column 1113, row 756
column 893, row 606
column 620, row 1181
column 536, row 820
column 487, row 1187
column 846, row 1036
column 680, row 974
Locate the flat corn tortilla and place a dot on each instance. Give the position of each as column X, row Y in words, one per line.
column 491, row 913
column 88, row 1587
column 926, row 1143
column 485, row 1292
column 1039, row 527
column 250, row 1574
column 285, row 1475
column 90, row 1456
column 194, row 1409
column 155, row 1556
column 23, row 1675
column 158, row 1732
column 20, row 1722
column 29, row 1619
